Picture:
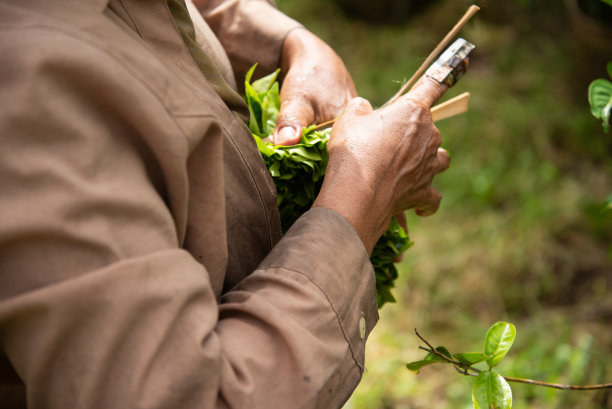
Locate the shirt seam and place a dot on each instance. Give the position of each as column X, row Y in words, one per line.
column 331, row 304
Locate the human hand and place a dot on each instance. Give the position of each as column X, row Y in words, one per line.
column 383, row 162
column 316, row 86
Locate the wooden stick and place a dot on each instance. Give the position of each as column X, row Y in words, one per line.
column 452, row 107
column 430, row 59
column 434, row 54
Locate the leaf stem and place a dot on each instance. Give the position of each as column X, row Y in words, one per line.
column 464, row 370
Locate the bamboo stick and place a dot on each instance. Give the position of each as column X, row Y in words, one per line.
column 436, row 51
column 452, row 107
column 430, row 59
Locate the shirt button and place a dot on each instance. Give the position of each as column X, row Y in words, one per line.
column 362, row 327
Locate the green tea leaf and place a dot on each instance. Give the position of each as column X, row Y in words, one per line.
column 498, row 341
column 270, row 109
column 249, row 74
column 255, row 110
column 600, row 98
column 429, row 359
column 264, row 84
column 471, row 358
column 491, row 391
column 298, row 170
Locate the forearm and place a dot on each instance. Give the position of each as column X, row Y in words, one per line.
column 251, row 31
column 100, row 307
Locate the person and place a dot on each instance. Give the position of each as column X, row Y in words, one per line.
column 141, row 257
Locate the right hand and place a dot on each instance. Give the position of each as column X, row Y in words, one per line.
column 383, row 162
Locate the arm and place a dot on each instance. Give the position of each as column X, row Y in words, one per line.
column 316, row 85
column 100, row 307
column 251, row 31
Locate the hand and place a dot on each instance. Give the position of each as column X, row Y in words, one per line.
column 383, row 162
column 316, row 86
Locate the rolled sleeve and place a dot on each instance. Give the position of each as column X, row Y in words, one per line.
column 325, row 248
column 307, row 310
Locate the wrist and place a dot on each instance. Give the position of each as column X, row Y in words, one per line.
column 358, row 203
column 301, row 44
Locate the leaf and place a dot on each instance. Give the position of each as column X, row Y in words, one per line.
column 498, row 341
column 254, row 104
column 600, row 98
column 270, row 109
column 298, row 170
column 609, row 3
column 471, row 358
column 249, row 74
column 444, row 352
column 429, row 359
column 491, row 391
column 264, row 84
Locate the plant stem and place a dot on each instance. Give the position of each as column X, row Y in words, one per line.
column 464, row 369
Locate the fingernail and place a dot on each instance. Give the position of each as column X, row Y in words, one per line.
column 288, row 135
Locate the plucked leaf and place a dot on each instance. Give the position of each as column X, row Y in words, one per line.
column 498, row 341
column 298, row 172
column 491, row 391
column 264, row 84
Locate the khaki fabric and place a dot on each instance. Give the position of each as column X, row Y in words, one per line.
column 141, row 259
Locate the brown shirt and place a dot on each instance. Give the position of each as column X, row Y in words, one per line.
column 141, row 263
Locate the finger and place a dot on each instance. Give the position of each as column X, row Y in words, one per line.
column 427, row 91
column 442, row 160
column 430, row 204
column 296, row 113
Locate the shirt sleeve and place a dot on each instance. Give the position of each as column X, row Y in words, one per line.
column 100, row 307
column 251, row 31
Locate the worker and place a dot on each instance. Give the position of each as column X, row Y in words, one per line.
column 141, row 257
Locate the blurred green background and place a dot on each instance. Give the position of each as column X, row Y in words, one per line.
column 522, row 234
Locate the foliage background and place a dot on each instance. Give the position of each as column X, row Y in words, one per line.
column 522, row 234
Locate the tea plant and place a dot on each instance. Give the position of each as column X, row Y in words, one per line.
column 490, row 390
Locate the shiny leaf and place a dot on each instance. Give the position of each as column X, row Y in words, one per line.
column 429, row 359
column 298, row 170
column 600, row 98
column 498, row 342
column 491, row 391
column 471, row 358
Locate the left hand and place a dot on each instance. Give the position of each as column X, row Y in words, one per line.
column 316, row 86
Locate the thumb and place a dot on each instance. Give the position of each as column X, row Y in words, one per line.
column 295, row 114
column 426, row 91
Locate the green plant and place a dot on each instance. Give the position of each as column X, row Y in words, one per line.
column 600, row 98
column 490, row 389
column 298, row 172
